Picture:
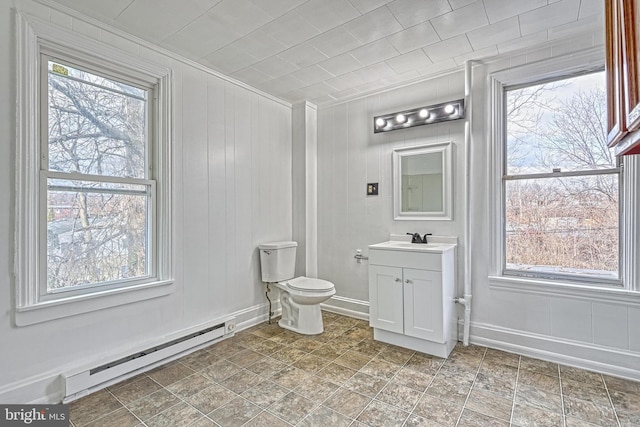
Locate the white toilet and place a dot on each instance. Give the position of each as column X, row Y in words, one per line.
column 300, row 297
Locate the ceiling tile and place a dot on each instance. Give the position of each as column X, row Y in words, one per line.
column 303, row 55
column 275, row 67
column 335, row 42
column 523, row 42
column 586, row 25
column 312, row 74
column 291, row 29
column 457, row 4
column 170, row 16
column 497, row 10
column 202, row 37
column 365, row 6
column 555, row 14
column 448, row 48
column 276, row 8
column 414, row 38
column 341, row 64
column 460, row 21
column 251, row 76
column 327, row 14
column 374, row 25
column 372, row 53
column 487, row 52
column 409, row 61
column 258, row 45
column 493, row 34
column 373, row 72
column 344, row 82
column 439, row 67
column 591, row 8
column 241, row 15
column 282, row 84
column 99, row 9
column 412, row 12
column 228, row 60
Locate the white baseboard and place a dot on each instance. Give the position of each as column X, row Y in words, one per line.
column 347, row 306
column 48, row 388
column 614, row 362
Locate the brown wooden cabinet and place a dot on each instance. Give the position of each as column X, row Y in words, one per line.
column 623, row 75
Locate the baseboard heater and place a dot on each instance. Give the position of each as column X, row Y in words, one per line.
column 83, row 382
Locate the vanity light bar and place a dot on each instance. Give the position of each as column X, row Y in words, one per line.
column 452, row 110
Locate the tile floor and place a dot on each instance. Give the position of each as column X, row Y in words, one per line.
column 266, row 376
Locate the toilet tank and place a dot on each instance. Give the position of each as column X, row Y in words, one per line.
column 277, row 261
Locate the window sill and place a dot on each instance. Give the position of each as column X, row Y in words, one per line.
column 615, row 295
column 71, row 306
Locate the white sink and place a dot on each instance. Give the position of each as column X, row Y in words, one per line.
column 398, row 245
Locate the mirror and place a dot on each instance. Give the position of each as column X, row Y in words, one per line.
column 422, row 182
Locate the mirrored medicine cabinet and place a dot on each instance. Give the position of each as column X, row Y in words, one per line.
column 422, row 182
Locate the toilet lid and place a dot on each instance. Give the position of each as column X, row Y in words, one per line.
column 308, row 284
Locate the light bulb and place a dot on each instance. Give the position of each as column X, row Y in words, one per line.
column 449, row 109
column 400, row 118
column 424, row 113
column 380, row 122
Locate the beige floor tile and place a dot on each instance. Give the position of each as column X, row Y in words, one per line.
column 210, row 398
column 347, row 402
column 489, row 404
column 120, row 418
column 265, row 393
column 152, row 405
column 400, row 396
column 379, row 414
column 92, row 407
column 445, row 413
column 324, row 416
column 292, row 407
column 471, row 418
column 133, row 391
column 179, row 415
column 235, row 413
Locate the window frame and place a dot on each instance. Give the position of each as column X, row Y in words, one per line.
column 584, row 62
column 37, row 39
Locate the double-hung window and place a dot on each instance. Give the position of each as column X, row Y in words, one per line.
column 96, row 178
column 93, row 163
column 560, row 195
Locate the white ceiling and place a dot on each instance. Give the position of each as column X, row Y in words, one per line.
column 326, row 50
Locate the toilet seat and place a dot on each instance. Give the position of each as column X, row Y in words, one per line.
column 308, row 284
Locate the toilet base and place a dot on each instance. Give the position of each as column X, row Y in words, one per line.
column 307, row 322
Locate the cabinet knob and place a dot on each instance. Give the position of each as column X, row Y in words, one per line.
column 408, row 281
column 398, row 279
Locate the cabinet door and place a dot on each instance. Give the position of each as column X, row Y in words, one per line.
column 385, row 298
column 630, row 19
column 616, row 117
column 423, row 304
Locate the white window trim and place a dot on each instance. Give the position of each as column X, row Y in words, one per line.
column 32, row 35
column 587, row 60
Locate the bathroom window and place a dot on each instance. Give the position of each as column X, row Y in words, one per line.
column 561, row 184
column 93, row 203
column 96, row 175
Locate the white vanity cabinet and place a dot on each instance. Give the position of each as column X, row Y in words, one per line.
column 411, row 296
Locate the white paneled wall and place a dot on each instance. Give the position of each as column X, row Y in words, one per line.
column 232, row 190
column 350, row 156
